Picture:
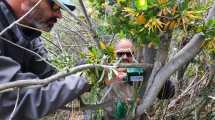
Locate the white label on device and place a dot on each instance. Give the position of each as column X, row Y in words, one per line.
column 136, row 78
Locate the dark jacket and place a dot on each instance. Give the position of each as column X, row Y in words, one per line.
column 19, row 64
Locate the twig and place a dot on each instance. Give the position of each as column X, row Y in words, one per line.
column 167, row 17
column 50, row 42
column 29, row 27
column 77, row 33
column 36, row 29
column 87, row 107
column 87, row 45
column 190, row 108
column 112, row 39
column 144, row 65
column 95, row 37
column 17, row 101
column 165, row 112
column 77, row 19
column 185, row 92
column 13, row 89
column 85, row 13
column 106, row 93
column 58, row 41
column 212, row 97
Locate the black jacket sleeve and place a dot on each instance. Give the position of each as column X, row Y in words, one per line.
column 37, row 102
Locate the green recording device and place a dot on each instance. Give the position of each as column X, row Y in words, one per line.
column 134, row 74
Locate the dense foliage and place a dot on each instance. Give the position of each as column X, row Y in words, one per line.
column 143, row 20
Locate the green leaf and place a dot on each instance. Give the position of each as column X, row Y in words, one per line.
column 141, row 4
column 183, row 5
column 211, row 22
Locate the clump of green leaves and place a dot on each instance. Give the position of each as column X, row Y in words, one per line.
column 143, row 20
column 105, row 54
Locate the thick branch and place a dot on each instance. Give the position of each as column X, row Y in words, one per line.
column 162, row 56
column 24, row 83
column 183, row 56
column 211, row 13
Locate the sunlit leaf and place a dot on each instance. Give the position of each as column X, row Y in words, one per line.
column 102, row 45
column 141, row 4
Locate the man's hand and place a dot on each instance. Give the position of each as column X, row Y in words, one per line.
column 120, row 76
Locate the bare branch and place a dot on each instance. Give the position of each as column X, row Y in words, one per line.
column 41, row 82
column 30, row 82
column 192, row 85
column 77, row 19
column 88, row 107
column 211, row 13
column 57, row 36
column 82, row 45
column 77, row 33
column 212, row 97
column 85, row 13
column 29, row 27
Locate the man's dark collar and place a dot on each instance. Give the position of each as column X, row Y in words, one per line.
column 10, row 8
column 30, row 32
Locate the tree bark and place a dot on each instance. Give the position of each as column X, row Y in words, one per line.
column 183, row 56
column 162, row 57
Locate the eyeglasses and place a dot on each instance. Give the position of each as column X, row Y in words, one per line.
column 120, row 54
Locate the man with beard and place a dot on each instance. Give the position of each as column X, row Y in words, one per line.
column 17, row 63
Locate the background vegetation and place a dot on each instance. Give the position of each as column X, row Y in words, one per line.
column 91, row 37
